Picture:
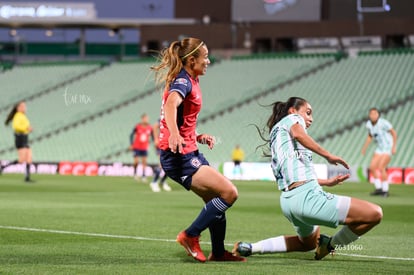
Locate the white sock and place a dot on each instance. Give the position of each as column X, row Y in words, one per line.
column 271, row 245
column 385, row 186
column 377, row 183
column 343, row 237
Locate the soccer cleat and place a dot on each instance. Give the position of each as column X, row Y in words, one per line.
column 154, row 187
column 324, row 248
column 191, row 245
column 385, row 194
column 377, row 192
column 29, row 180
column 227, row 257
column 166, row 187
column 242, row 249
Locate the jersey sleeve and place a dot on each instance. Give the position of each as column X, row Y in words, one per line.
column 297, row 119
column 387, row 125
column 182, row 85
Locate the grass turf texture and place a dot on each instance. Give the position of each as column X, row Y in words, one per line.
column 123, row 207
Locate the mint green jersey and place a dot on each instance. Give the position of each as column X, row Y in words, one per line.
column 291, row 161
column 380, row 132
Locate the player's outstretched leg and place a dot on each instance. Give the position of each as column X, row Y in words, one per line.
column 242, row 249
column 362, row 217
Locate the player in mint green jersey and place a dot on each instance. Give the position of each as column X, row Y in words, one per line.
column 303, row 201
column 385, row 137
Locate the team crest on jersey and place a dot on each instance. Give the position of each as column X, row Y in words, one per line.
column 181, row 81
column 195, row 162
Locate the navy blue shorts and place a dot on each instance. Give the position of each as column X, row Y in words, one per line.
column 181, row 168
column 140, row 153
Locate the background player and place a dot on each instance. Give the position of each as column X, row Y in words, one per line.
column 155, row 186
column 386, row 139
column 140, row 144
column 22, row 128
column 179, row 69
column 302, row 200
column 237, row 155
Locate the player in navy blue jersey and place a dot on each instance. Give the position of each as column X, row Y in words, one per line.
column 179, row 69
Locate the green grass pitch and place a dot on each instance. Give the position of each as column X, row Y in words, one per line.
column 115, row 225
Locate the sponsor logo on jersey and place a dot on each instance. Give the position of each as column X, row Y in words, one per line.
column 181, row 81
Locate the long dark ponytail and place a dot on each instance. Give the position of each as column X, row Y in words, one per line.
column 279, row 110
column 12, row 113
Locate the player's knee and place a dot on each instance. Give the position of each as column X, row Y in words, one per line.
column 374, row 216
column 377, row 215
column 231, row 194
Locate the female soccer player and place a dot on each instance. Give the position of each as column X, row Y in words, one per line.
column 386, row 138
column 158, row 169
column 22, row 128
column 179, row 69
column 140, row 144
column 303, row 201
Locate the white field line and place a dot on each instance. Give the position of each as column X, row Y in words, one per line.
column 165, row 240
column 375, row 257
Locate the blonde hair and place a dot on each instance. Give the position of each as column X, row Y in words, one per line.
column 173, row 58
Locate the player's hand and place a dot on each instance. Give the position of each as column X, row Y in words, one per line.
column 176, row 143
column 393, row 150
column 130, row 147
column 336, row 180
column 206, row 139
column 335, row 160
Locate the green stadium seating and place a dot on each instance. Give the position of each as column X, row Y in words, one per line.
column 22, row 82
column 341, row 95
